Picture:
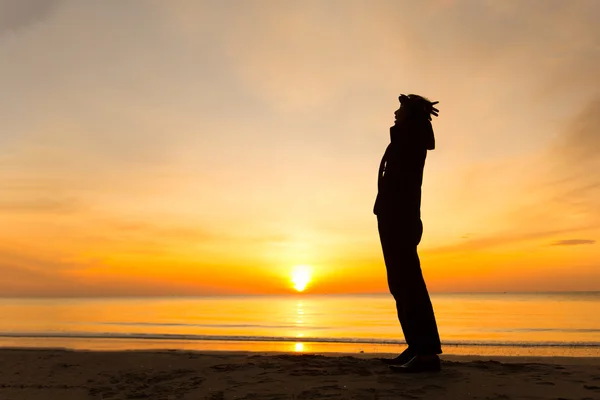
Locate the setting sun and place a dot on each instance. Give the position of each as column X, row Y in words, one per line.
column 301, row 276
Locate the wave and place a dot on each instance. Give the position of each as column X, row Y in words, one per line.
column 570, row 330
column 371, row 341
column 289, row 326
column 210, row 325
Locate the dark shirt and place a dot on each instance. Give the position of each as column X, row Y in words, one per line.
column 401, row 176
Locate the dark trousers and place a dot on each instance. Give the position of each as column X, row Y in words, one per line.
column 399, row 241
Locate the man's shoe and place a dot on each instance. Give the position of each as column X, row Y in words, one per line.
column 419, row 364
column 402, row 359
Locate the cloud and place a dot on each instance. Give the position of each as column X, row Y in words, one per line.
column 48, row 274
column 20, row 14
column 572, row 164
column 40, row 205
column 579, row 146
column 563, row 184
column 572, row 242
column 41, row 274
column 539, row 196
column 498, row 239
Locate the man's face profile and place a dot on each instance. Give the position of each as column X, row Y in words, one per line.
column 400, row 114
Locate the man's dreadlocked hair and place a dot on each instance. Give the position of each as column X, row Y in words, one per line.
column 419, row 106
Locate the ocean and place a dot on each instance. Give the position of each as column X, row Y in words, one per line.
column 532, row 324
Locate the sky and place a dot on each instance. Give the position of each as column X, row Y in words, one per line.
column 212, row 147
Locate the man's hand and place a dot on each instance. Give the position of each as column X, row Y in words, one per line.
column 432, row 110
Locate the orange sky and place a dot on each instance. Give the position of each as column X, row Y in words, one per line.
column 189, row 147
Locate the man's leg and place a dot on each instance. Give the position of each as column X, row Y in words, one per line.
column 392, row 257
column 405, row 279
column 419, row 315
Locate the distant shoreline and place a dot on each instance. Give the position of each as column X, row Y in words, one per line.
column 292, row 294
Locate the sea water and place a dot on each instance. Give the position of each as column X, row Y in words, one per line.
column 559, row 324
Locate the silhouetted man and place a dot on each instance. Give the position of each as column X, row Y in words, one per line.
column 398, row 210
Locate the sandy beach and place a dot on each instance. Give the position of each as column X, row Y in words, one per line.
column 59, row 374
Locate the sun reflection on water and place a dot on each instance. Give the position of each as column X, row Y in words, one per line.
column 299, row 346
column 299, row 314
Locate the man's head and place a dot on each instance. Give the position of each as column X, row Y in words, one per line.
column 415, row 114
column 417, row 107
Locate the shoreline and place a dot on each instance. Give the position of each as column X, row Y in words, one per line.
column 508, row 359
column 298, row 346
column 36, row 373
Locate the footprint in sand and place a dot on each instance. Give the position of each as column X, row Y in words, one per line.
column 308, row 372
column 216, row 396
column 498, row 397
column 322, row 392
column 229, row 367
column 262, row 396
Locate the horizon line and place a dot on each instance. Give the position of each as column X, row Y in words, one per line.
column 117, row 296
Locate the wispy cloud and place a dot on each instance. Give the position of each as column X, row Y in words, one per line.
column 571, row 180
column 19, row 14
column 573, row 242
column 545, row 194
